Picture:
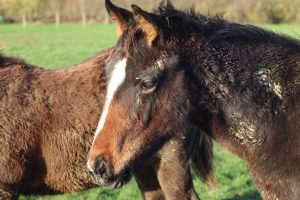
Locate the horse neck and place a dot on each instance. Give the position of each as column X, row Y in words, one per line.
column 246, row 89
column 228, row 95
column 245, row 92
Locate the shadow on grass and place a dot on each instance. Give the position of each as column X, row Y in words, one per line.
column 252, row 195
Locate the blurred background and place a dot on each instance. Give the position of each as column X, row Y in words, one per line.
column 90, row 11
column 58, row 33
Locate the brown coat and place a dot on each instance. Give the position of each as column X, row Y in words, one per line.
column 47, row 122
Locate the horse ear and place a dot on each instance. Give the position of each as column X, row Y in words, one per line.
column 147, row 24
column 119, row 15
column 166, row 3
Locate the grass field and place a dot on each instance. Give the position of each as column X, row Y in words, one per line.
column 52, row 47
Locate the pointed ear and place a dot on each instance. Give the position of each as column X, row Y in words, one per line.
column 119, row 15
column 167, row 4
column 147, row 23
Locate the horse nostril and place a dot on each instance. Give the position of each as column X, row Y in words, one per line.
column 100, row 166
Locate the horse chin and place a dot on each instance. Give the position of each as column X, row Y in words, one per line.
column 114, row 183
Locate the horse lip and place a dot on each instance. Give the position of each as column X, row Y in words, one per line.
column 113, row 183
column 126, row 176
column 122, row 179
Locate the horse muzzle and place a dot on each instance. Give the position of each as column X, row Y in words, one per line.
column 102, row 174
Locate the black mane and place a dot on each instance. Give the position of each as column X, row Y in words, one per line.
column 217, row 28
column 8, row 61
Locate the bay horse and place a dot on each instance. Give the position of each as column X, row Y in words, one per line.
column 238, row 83
column 47, row 124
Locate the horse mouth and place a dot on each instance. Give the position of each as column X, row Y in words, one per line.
column 112, row 183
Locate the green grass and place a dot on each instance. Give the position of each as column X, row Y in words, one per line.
column 46, row 45
column 291, row 30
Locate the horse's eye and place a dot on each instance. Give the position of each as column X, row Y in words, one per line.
column 148, row 86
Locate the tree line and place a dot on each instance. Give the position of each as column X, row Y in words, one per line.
column 84, row 11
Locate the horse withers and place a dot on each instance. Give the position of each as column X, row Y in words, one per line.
column 47, row 123
column 239, row 83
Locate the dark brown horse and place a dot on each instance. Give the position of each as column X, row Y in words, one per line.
column 47, row 124
column 239, row 83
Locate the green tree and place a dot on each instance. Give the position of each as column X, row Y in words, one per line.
column 21, row 8
column 56, row 6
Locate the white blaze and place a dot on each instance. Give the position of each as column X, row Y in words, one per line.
column 117, row 78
